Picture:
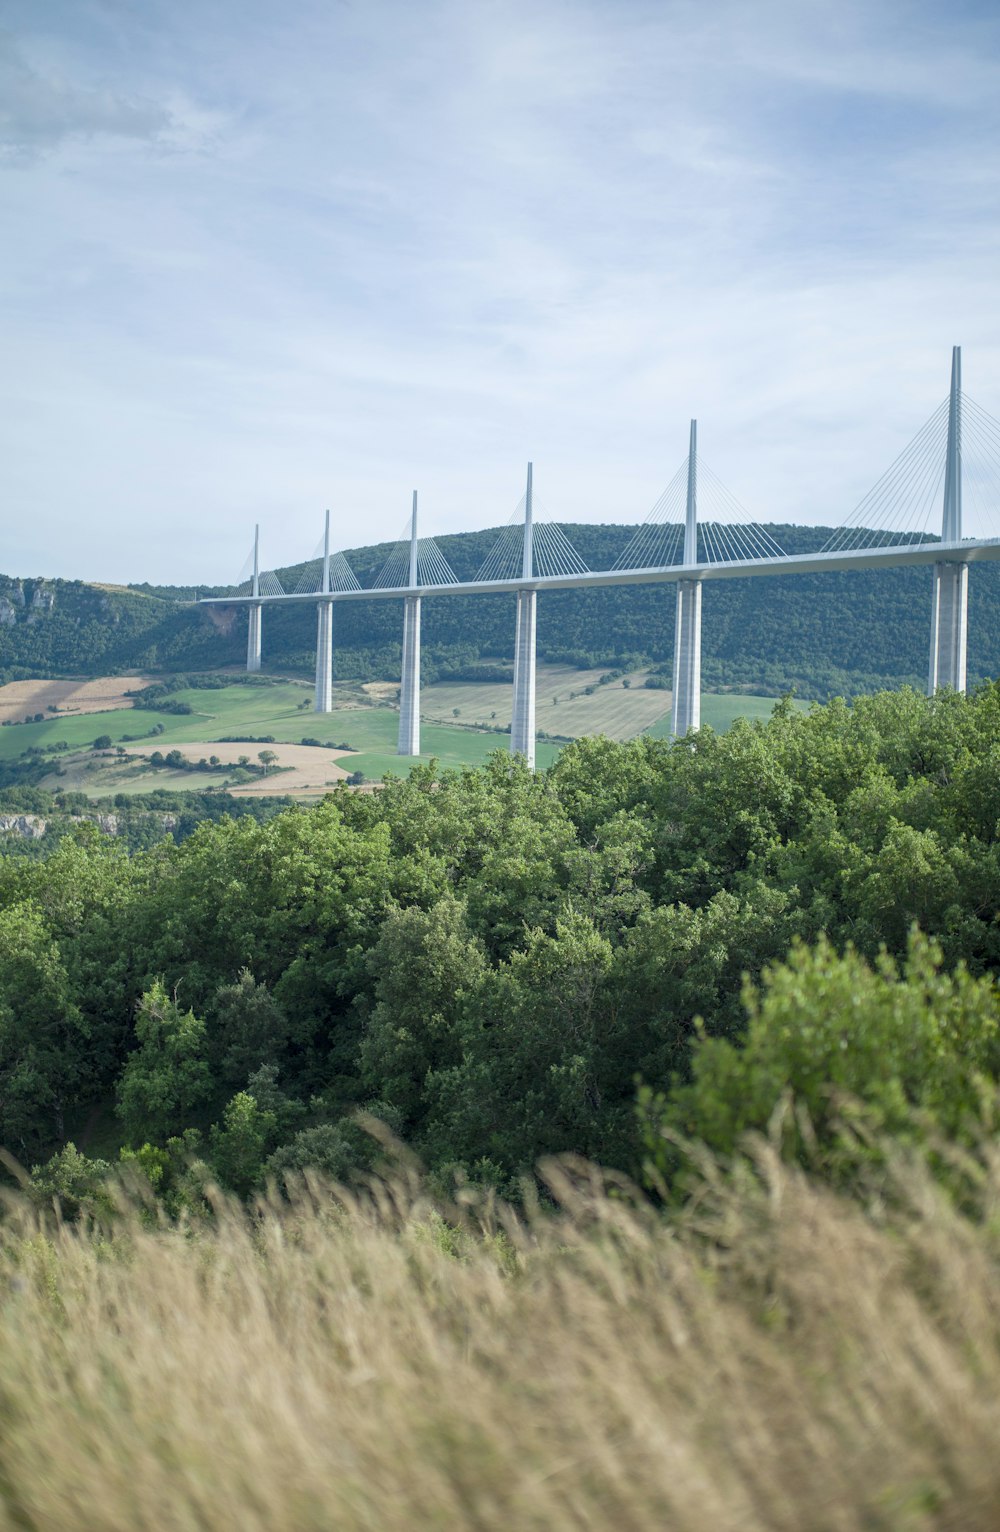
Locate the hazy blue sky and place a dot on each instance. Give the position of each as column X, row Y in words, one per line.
column 261, row 258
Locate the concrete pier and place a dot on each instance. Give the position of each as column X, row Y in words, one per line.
column 324, row 635
column 949, row 627
column 253, row 639
column 253, row 612
column 324, row 658
column 522, row 728
column 686, row 712
column 687, row 660
column 409, row 686
column 409, row 690
column 950, row 589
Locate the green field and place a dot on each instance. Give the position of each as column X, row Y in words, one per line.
column 263, row 710
column 371, row 729
column 720, row 711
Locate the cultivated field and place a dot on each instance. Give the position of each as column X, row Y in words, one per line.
column 562, row 705
column 364, row 722
column 23, row 699
column 306, row 771
column 368, row 731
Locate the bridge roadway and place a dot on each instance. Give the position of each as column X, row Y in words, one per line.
column 966, row 552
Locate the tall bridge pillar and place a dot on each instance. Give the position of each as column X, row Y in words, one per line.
column 950, row 590
column 409, row 689
column 522, row 726
column 324, row 658
column 253, row 612
column 324, row 635
column 253, row 639
column 687, row 660
column 686, row 713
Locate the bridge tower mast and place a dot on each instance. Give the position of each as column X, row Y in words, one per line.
column 409, row 690
column 522, row 728
column 253, row 612
column 324, row 633
column 686, row 712
column 950, row 590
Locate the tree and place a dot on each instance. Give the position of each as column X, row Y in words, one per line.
column 167, row 1077
column 73, row 1182
column 102, row 742
column 267, row 758
column 44, row 1063
column 249, row 1029
column 425, row 963
column 239, row 1146
column 537, row 1037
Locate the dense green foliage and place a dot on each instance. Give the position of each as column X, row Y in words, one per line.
column 489, row 960
column 840, row 1057
column 837, row 632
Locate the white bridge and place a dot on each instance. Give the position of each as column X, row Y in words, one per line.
column 674, row 545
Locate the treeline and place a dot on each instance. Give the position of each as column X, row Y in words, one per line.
column 489, row 961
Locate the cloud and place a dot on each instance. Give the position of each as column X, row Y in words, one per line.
column 40, row 112
column 341, row 250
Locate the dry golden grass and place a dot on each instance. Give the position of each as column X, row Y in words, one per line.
column 778, row 1359
column 101, row 694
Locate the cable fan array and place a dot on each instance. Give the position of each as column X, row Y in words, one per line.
column 268, row 583
column 905, row 505
column 552, row 553
column 726, row 535
column 432, row 566
column 980, row 470
column 310, row 581
column 898, row 509
column 903, row 508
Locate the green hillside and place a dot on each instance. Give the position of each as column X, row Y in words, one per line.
column 822, row 633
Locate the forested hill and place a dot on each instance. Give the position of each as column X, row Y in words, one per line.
column 821, row 633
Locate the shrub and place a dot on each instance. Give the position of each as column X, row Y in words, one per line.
column 878, row 1049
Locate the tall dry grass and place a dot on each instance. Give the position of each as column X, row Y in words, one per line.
column 779, row 1358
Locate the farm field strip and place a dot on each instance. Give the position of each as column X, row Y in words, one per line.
column 561, row 703
column 21, row 699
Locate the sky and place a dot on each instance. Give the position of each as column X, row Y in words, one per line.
column 259, row 260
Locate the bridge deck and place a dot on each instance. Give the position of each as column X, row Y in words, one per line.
column 798, row 563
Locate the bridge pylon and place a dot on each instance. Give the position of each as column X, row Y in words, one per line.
column 686, row 711
column 409, row 688
column 522, row 726
column 254, row 611
column 950, row 589
column 324, row 634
